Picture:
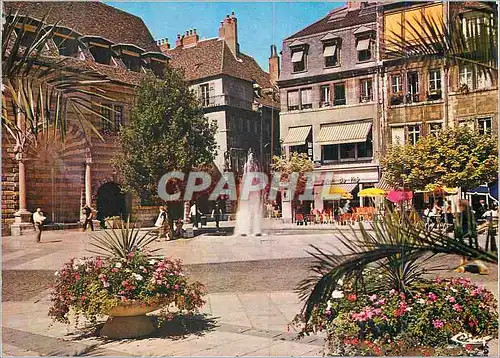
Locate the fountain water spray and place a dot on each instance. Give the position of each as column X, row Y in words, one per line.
column 249, row 214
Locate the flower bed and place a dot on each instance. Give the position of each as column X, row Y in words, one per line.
column 419, row 322
column 91, row 287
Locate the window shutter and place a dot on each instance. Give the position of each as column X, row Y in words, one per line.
column 398, row 135
column 306, row 96
column 293, row 98
column 212, row 89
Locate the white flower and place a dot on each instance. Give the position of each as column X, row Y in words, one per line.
column 137, row 276
column 453, row 289
column 106, row 284
column 329, row 305
column 118, row 265
column 337, row 294
column 141, row 267
column 421, row 301
column 340, row 282
column 152, row 262
column 128, row 270
column 56, row 273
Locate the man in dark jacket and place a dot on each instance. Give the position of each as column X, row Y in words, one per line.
column 87, row 211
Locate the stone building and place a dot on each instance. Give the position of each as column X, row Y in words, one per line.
column 61, row 177
column 235, row 92
column 329, row 98
column 421, row 97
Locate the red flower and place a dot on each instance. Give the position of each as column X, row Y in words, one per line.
column 84, row 298
column 468, row 347
column 352, row 297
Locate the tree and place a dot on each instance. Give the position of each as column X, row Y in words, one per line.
column 455, row 157
column 296, row 163
column 167, row 132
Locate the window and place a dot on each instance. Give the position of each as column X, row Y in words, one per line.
column 396, row 83
column 483, row 80
column 339, row 94
column 348, row 151
column 466, row 78
column 434, row 80
column 133, row 63
column 306, row 98
column 330, row 53
column 293, row 100
column 413, row 87
column 205, row 95
column 118, row 115
column 101, row 54
column 364, row 50
column 28, row 36
column 67, row 46
column 366, row 90
column 484, row 125
column 324, row 92
column 158, row 68
column 106, row 122
column 299, row 60
column 365, row 150
column 435, row 128
column 330, row 152
column 413, row 134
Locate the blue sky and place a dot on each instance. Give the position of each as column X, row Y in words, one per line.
column 260, row 24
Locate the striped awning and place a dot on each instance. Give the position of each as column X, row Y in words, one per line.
column 383, row 184
column 297, row 136
column 344, row 133
column 339, row 191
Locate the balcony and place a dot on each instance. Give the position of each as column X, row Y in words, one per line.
column 224, row 100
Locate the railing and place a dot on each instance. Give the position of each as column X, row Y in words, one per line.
column 225, row 100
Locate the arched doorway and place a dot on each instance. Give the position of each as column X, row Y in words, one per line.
column 110, row 201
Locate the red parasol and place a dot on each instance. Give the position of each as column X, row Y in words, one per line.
column 397, row 196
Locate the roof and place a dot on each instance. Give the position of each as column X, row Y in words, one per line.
column 89, row 18
column 351, row 18
column 213, row 57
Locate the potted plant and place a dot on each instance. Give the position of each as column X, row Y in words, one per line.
column 124, row 282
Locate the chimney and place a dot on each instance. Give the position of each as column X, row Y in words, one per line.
column 163, row 45
column 191, row 38
column 228, row 31
column 274, row 66
column 355, row 5
column 178, row 42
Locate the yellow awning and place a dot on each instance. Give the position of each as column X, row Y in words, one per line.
column 297, row 136
column 339, row 191
column 344, row 133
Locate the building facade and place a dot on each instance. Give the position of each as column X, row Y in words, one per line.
column 236, row 94
column 63, row 176
column 329, row 98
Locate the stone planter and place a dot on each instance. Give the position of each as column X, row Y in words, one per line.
column 114, row 223
column 129, row 321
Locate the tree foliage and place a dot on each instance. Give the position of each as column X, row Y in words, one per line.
column 167, row 132
column 296, row 163
column 455, row 157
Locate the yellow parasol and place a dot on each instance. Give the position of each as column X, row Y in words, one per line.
column 372, row 192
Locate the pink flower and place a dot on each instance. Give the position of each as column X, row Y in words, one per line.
column 352, row 297
column 380, row 302
column 328, row 312
column 432, row 296
column 84, row 298
column 457, row 307
column 438, row 280
column 125, row 283
column 468, row 347
column 393, row 291
column 437, row 323
column 98, row 262
column 373, row 298
column 472, row 324
column 114, row 269
column 176, row 287
column 450, row 299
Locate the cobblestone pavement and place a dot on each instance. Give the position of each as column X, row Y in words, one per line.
column 249, row 305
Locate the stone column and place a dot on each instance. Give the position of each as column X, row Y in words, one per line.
column 361, row 199
column 88, row 181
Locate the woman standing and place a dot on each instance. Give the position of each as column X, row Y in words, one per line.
column 162, row 224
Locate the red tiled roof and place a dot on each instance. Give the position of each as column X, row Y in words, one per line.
column 213, row 57
column 89, row 18
column 352, row 18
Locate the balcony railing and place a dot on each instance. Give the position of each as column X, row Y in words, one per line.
column 225, row 100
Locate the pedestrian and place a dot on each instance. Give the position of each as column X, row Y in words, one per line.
column 466, row 224
column 480, row 210
column 179, row 230
column 162, row 223
column 87, row 211
column 491, row 217
column 195, row 215
column 38, row 220
column 216, row 214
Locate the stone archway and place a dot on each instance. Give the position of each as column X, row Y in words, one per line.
column 110, row 201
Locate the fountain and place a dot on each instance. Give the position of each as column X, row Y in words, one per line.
column 249, row 214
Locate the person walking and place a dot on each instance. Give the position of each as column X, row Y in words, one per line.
column 162, row 222
column 38, row 220
column 87, row 211
column 481, row 210
column 466, row 224
column 216, row 214
column 491, row 217
column 195, row 215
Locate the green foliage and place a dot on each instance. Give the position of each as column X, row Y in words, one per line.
column 395, row 323
column 167, row 132
column 121, row 242
column 455, row 157
column 296, row 163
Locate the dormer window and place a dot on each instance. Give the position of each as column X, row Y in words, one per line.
column 99, row 47
column 28, row 35
column 156, row 62
column 130, row 55
column 299, row 56
column 330, row 53
column 67, row 42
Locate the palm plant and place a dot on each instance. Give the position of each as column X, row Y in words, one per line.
column 398, row 247
column 121, row 242
column 38, row 89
